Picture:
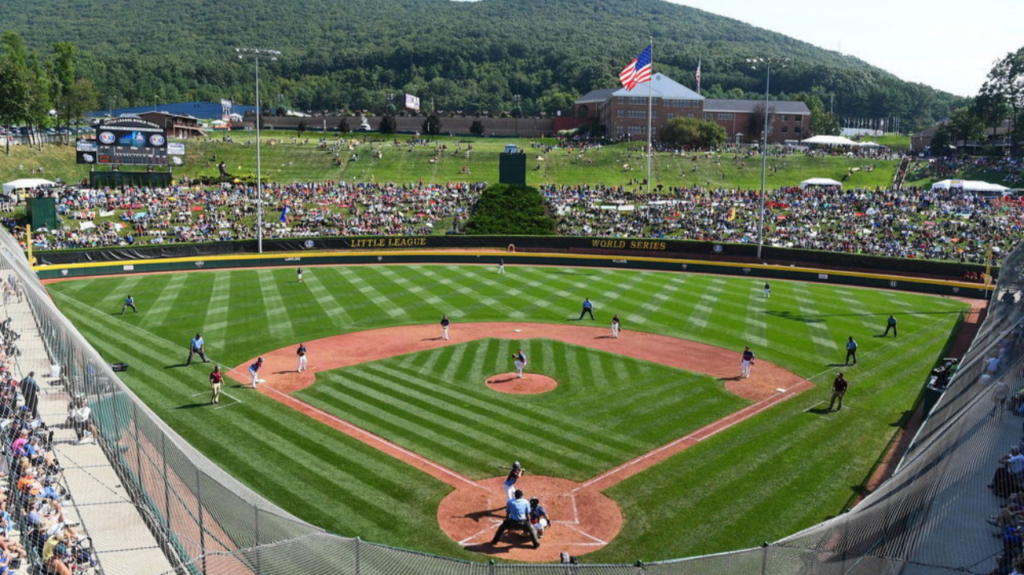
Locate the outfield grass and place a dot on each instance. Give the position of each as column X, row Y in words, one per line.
column 606, row 409
column 776, row 473
column 287, row 161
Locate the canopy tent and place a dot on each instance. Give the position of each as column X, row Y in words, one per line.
column 819, row 182
column 871, row 145
column 26, row 184
column 829, row 141
column 970, row 186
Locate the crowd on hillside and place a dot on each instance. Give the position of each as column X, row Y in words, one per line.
column 139, row 216
column 1006, row 169
column 912, row 223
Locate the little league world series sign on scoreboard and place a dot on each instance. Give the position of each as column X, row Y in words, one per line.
column 127, row 141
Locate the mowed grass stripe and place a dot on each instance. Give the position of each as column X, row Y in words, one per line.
column 279, row 314
column 371, row 295
column 304, row 452
column 809, row 477
column 331, row 308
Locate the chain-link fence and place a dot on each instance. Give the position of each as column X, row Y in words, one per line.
column 210, row 523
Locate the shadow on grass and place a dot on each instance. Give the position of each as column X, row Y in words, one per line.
column 819, row 410
column 736, row 378
column 176, row 365
column 193, row 405
column 821, row 318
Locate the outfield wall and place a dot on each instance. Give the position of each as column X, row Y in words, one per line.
column 492, row 257
column 210, row 523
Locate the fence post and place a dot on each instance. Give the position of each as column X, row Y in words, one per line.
column 202, row 529
column 167, row 485
column 358, row 544
column 258, row 570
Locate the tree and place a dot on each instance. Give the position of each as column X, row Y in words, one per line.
column 965, row 127
column 343, row 126
column 691, row 132
column 432, row 125
column 83, row 99
column 15, row 82
column 1005, row 84
column 388, row 124
column 991, row 111
column 302, row 127
column 822, row 121
column 62, row 83
column 477, row 127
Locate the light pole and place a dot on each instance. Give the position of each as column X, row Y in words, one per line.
column 767, row 63
column 255, row 53
column 518, row 110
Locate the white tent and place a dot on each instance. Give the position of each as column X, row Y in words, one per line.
column 26, row 184
column 871, row 145
column 830, row 141
column 970, row 186
column 819, row 182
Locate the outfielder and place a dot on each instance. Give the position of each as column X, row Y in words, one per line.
column 298, row 272
column 129, row 302
column 520, row 362
column 445, row 322
column 748, row 360
column 615, row 326
column 501, row 266
column 254, row 371
column 767, row 290
column 301, row 352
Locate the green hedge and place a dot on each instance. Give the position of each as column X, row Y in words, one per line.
column 506, row 209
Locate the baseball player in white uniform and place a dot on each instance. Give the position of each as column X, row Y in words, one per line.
column 767, row 290
column 520, row 361
column 302, row 353
column 445, row 322
column 748, row 360
column 615, row 326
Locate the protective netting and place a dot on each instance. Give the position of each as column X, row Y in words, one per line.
column 928, row 518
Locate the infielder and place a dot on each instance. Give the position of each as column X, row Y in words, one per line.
column 197, row 345
column 520, row 361
column 216, row 378
column 445, row 322
column 615, row 326
column 129, row 302
column 301, row 352
column 254, row 371
column 510, row 481
column 748, row 360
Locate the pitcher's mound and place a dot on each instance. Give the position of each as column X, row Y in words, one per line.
column 530, row 383
column 584, row 520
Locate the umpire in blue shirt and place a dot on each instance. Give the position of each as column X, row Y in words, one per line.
column 518, row 510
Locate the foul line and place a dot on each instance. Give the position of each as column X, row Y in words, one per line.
column 151, row 334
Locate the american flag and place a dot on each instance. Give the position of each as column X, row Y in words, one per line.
column 638, row 71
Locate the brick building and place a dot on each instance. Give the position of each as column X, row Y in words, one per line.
column 623, row 113
column 177, row 125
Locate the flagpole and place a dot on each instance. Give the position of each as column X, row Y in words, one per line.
column 650, row 108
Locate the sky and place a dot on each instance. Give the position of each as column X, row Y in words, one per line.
column 947, row 44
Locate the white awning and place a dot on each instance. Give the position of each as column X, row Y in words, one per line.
column 829, row 141
column 970, row 186
column 26, row 184
column 819, row 182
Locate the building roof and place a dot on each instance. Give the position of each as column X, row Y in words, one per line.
column 200, row 110
column 595, row 96
column 750, row 106
column 661, row 87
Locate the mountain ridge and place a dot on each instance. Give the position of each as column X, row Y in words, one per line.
column 468, row 56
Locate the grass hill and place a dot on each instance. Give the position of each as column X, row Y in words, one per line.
column 467, row 56
column 288, row 161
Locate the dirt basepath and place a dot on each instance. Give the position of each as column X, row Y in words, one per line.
column 584, row 519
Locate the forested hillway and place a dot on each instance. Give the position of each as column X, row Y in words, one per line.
column 467, row 56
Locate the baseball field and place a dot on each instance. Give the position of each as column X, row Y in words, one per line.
column 391, row 423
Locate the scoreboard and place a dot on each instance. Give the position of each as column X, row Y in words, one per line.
column 130, row 141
